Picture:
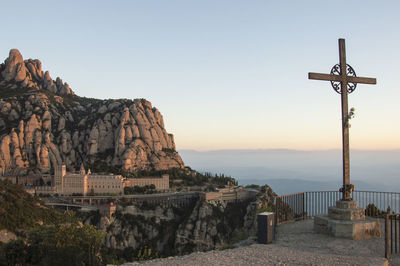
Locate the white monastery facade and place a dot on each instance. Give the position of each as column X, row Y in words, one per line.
column 86, row 183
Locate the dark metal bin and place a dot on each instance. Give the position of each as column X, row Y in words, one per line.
column 266, row 227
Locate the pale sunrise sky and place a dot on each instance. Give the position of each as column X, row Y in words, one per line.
column 225, row 74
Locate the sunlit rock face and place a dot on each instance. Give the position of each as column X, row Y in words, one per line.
column 43, row 124
column 29, row 74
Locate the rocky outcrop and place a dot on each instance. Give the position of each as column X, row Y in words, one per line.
column 181, row 230
column 6, row 236
column 205, row 229
column 28, row 74
column 136, row 226
column 216, row 224
column 43, row 124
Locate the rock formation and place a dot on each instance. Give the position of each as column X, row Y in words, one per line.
column 216, row 224
column 43, row 123
column 29, row 74
column 176, row 230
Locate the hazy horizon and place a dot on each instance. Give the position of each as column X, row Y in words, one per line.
column 288, row 171
column 282, row 149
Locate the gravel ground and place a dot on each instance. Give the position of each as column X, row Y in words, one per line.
column 295, row 244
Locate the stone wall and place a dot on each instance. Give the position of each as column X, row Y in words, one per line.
column 160, row 183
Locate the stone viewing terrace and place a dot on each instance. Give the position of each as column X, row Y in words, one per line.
column 368, row 215
column 296, row 244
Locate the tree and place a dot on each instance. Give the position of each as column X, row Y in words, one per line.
column 13, row 253
column 68, row 244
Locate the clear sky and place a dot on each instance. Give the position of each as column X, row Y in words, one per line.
column 225, row 74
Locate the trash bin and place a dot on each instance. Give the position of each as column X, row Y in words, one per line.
column 266, row 227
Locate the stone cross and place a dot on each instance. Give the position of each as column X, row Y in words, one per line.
column 344, row 80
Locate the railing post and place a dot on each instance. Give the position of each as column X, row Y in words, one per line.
column 396, row 237
column 276, row 210
column 304, row 200
column 387, row 236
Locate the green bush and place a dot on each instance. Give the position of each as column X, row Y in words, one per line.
column 238, row 235
column 253, row 186
column 264, row 209
column 65, row 244
column 372, row 210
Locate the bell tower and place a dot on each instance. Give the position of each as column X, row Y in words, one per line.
column 59, row 173
column 82, row 171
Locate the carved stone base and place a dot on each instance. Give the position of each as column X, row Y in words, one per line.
column 346, row 204
column 356, row 230
column 346, row 221
column 357, row 214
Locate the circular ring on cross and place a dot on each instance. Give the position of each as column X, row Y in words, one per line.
column 336, row 84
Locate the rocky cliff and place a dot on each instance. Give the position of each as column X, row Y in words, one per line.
column 43, row 124
column 217, row 224
column 177, row 230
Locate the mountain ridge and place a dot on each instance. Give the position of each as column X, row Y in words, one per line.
column 43, row 123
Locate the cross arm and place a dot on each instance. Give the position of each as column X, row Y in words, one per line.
column 330, row 77
column 327, row 77
column 361, row 80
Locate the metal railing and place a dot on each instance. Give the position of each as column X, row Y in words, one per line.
column 392, row 238
column 383, row 201
column 317, row 202
column 308, row 204
column 290, row 207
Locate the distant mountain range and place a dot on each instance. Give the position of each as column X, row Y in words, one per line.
column 288, row 171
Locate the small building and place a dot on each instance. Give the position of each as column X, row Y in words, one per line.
column 74, row 184
column 24, row 180
column 230, row 194
column 104, row 184
column 160, row 183
column 212, row 196
column 12, row 179
column 45, row 190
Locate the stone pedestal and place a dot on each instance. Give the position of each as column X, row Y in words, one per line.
column 347, row 221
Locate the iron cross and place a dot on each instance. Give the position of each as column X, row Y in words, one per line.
column 344, row 80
